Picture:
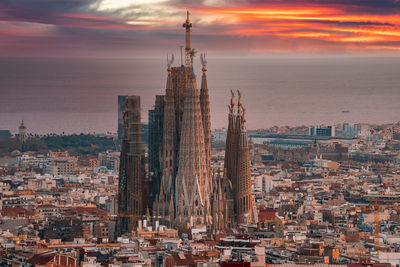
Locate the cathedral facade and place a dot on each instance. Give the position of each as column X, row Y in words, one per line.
column 186, row 192
column 182, row 183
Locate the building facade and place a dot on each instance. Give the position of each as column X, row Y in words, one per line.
column 185, row 181
column 188, row 194
column 132, row 174
column 155, row 128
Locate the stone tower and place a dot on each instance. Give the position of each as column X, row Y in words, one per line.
column 22, row 133
column 237, row 163
column 230, row 157
column 205, row 112
column 168, row 152
column 181, row 81
column 132, row 171
column 192, row 205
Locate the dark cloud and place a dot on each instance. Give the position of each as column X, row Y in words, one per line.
column 350, row 23
column 43, row 11
column 50, row 6
column 75, row 13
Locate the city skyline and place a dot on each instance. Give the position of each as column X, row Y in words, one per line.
column 175, row 191
column 316, row 58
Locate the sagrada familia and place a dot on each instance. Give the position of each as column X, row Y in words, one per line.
column 185, row 193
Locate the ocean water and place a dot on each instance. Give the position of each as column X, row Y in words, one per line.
column 80, row 95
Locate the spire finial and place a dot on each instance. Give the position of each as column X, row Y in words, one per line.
column 232, row 105
column 239, row 104
column 203, row 62
column 170, row 61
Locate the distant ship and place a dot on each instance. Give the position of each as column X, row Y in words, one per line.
column 346, row 111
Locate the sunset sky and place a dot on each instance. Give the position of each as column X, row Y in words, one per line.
column 119, row 28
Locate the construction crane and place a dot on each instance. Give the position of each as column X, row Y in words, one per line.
column 126, row 215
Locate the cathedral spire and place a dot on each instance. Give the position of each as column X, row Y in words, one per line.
column 193, row 177
column 187, row 25
column 205, row 112
column 229, row 162
column 204, row 69
column 167, row 156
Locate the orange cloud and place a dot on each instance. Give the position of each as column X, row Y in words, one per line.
column 327, row 24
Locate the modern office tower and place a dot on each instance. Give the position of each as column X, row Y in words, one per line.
column 349, row 130
column 132, row 171
column 322, row 131
column 155, row 128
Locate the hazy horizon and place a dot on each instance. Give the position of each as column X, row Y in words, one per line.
column 70, row 95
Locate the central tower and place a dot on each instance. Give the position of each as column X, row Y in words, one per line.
column 193, row 178
column 182, row 188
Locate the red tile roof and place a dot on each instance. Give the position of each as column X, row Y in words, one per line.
column 13, row 212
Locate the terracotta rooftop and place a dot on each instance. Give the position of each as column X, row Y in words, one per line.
column 41, row 259
column 16, row 211
column 85, row 210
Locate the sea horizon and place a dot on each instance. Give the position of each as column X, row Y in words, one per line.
column 55, row 95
